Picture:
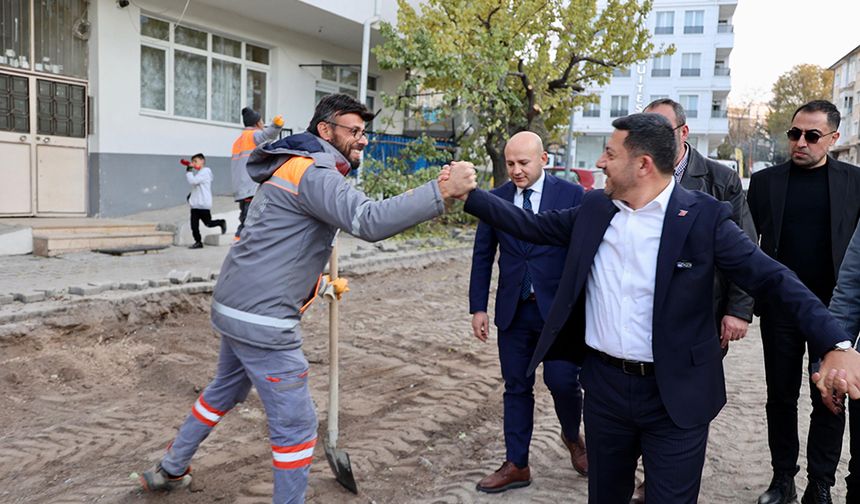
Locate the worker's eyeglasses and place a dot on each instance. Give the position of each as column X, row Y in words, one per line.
column 356, row 132
column 811, row 136
column 676, row 128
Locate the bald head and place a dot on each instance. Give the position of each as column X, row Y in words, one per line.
column 525, row 158
column 525, row 141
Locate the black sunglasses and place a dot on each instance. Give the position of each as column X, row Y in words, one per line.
column 811, row 136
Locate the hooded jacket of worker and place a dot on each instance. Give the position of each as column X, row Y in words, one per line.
column 273, row 273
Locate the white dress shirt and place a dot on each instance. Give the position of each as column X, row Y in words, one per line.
column 619, row 301
column 537, row 190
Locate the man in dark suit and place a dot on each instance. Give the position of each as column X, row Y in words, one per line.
column 528, row 279
column 733, row 307
column 805, row 211
column 635, row 306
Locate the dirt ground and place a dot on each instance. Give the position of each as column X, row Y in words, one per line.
column 94, row 395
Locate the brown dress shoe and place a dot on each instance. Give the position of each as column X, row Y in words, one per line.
column 578, row 457
column 638, row 494
column 507, row 477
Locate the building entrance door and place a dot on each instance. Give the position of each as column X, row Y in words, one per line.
column 43, row 146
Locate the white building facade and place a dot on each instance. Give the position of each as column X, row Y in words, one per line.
column 697, row 76
column 99, row 99
column 846, row 96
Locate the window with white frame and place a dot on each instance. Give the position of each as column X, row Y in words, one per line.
column 186, row 72
column 621, row 72
column 694, row 21
column 691, row 64
column 662, row 66
column 665, row 23
column 345, row 79
column 690, row 104
column 620, row 106
column 591, row 109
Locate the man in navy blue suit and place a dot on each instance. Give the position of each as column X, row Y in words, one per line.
column 528, row 279
column 635, row 307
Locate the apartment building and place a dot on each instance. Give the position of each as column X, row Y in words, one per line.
column 846, row 96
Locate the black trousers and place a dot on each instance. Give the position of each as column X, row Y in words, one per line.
column 199, row 214
column 624, row 416
column 243, row 212
column 784, row 347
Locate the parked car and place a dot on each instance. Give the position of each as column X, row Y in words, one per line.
column 581, row 176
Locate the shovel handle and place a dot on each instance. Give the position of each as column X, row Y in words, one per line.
column 334, row 379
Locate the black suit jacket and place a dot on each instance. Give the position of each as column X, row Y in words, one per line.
column 723, row 183
column 766, row 198
column 698, row 236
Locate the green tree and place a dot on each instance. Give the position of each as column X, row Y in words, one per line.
column 801, row 84
column 511, row 65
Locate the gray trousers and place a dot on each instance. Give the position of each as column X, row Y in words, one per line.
column 281, row 379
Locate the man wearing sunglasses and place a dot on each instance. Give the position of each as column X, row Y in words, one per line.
column 805, row 212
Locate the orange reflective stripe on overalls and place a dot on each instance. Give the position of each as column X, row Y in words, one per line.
column 295, row 456
column 290, row 174
column 244, row 145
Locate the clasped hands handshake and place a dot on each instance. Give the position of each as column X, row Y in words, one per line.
column 457, row 180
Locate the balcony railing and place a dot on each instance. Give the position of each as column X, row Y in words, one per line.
column 722, row 71
column 661, row 72
column 691, row 72
column 725, row 28
column 664, row 30
column 621, row 72
column 719, row 114
column 694, row 29
column 618, row 112
column 692, row 113
column 591, row 113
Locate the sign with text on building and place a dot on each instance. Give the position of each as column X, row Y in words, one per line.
column 640, row 87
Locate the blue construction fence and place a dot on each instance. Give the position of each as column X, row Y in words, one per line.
column 383, row 147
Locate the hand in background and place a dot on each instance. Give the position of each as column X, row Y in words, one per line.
column 732, row 329
column 838, row 376
column 480, row 325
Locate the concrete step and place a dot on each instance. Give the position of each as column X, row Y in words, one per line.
column 119, row 229
column 56, row 244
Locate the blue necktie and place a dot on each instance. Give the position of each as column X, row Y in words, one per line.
column 526, row 288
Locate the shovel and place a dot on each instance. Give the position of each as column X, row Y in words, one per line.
column 338, row 460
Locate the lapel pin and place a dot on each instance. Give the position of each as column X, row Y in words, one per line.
column 682, row 213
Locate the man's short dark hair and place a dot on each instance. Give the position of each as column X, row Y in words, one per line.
column 833, row 115
column 680, row 114
column 651, row 134
column 199, row 155
column 335, row 105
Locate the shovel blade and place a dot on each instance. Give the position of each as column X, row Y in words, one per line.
column 338, row 460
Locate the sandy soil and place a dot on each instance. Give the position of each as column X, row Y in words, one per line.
column 93, row 396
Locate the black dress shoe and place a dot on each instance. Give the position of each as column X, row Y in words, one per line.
column 780, row 491
column 817, row 492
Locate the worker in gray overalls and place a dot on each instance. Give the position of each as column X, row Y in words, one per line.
column 273, row 273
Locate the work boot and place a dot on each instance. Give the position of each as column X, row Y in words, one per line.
column 197, row 245
column 817, row 492
column 780, row 491
column 157, row 479
column 505, row 478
